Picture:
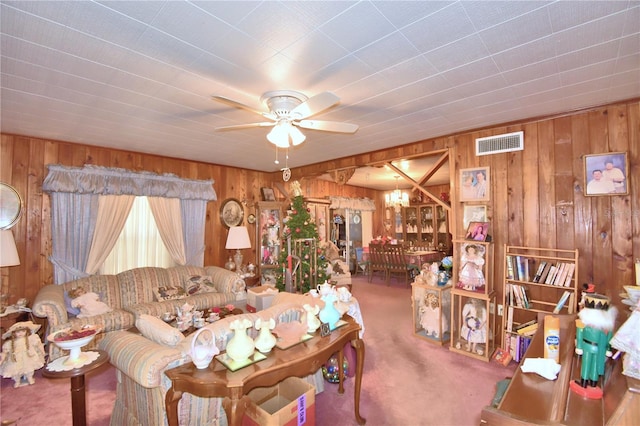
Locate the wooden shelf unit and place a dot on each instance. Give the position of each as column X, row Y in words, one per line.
column 541, row 298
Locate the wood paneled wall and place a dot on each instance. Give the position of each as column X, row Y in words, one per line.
column 536, row 194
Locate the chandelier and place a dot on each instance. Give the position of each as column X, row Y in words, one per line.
column 397, row 198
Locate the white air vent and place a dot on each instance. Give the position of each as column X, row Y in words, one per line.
column 500, row 143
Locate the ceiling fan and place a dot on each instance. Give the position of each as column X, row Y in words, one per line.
column 289, row 110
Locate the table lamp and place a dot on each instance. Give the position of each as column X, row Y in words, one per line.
column 8, row 257
column 238, row 239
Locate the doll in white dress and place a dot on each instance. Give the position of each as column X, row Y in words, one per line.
column 473, row 330
column 471, row 263
column 22, row 353
column 88, row 302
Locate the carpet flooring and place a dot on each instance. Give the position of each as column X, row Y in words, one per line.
column 407, row 380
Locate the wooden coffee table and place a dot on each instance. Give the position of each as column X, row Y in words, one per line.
column 299, row 361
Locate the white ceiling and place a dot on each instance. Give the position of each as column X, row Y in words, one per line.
column 138, row 75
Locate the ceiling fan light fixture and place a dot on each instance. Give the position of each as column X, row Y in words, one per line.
column 279, row 135
column 297, row 137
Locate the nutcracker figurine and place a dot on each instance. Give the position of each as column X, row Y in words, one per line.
column 594, row 330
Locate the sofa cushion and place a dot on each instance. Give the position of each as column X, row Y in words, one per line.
column 158, row 331
column 197, row 284
column 164, row 293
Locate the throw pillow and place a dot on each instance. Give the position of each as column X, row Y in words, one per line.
column 163, row 293
column 196, row 284
column 158, row 331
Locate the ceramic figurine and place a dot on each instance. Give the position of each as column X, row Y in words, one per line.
column 203, row 349
column 473, row 330
column 22, row 354
column 311, row 312
column 241, row 346
column 430, row 316
column 594, row 330
column 265, row 340
column 329, row 314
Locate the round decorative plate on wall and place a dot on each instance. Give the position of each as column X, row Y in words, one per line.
column 10, row 206
column 231, row 213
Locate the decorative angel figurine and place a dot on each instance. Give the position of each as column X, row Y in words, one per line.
column 311, row 313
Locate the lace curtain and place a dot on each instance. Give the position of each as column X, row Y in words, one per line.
column 86, row 219
column 362, row 204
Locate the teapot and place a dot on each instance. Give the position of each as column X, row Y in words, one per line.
column 202, row 349
column 324, row 289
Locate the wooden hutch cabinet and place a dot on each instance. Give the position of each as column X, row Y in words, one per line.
column 426, row 226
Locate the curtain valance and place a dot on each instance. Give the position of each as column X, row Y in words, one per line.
column 99, row 180
column 362, row 204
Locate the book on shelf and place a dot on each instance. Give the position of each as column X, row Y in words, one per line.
column 552, row 274
column 538, row 275
column 502, row 356
column 509, row 266
column 529, row 330
column 525, row 324
column 509, row 318
column 572, row 268
column 523, row 342
column 562, row 301
column 545, row 273
column 561, row 276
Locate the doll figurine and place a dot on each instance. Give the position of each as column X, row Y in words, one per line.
column 594, row 330
column 430, row 316
column 472, row 260
column 473, row 330
column 22, row 353
column 88, row 302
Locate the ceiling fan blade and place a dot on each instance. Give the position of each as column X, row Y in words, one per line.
column 314, row 105
column 245, row 126
column 235, row 104
column 327, row 126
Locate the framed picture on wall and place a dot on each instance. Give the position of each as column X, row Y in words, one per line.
column 606, row 174
column 473, row 213
column 475, row 184
column 477, row 231
column 268, row 194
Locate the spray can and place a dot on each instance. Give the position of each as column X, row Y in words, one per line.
column 552, row 338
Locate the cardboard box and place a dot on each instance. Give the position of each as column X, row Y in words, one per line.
column 290, row 403
column 259, row 298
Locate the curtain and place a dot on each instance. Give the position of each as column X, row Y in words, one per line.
column 194, row 214
column 166, row 212
column 73, row 220
column 362, row 204
column 113, row 211
column 75, row 195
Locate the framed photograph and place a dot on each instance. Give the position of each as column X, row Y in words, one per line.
column 475, row 184
column 231, row 213
column 477, row 231
column 606, row 174
column 325, row 329
column 473, row 213
column 268, row 194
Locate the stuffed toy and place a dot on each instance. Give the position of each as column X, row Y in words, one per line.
column 88, row 302
column 22, row 354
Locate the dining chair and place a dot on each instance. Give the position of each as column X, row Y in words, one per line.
column 396, row 262
column 377, row 260
column 361, row 264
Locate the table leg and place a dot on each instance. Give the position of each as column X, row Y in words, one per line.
column 358, row 345
column 171, row 400
column 234, row 408
column 78, row 406
column 341, row 371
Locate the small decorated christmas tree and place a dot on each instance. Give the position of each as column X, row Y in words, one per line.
column 299, row 225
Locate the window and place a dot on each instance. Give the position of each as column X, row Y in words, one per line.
column 139, row 243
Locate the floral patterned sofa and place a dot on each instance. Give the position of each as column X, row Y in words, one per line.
column 141, row 362
column 130, row 294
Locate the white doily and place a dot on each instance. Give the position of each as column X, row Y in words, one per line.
column 84, row 359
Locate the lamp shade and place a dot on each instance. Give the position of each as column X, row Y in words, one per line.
column 238, row 238
column 8, row 250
